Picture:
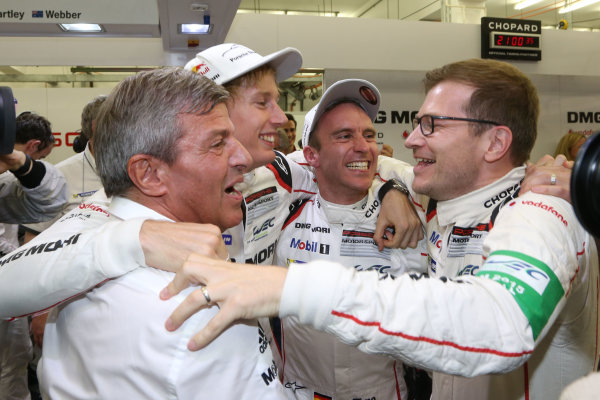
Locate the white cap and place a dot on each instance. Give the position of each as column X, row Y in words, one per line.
column 357, row 90
column 227, row 61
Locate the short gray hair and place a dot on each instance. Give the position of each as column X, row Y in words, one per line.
column 141, row 116
column 89, row 113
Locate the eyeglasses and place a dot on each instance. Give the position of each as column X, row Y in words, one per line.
column 426, row 122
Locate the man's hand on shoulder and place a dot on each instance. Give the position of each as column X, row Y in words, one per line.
column 549, row 175
column 167, row 245
column 240, row 291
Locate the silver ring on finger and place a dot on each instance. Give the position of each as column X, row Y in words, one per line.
column 204, row 291
column 553, row 179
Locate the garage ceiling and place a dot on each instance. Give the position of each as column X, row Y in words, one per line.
column 162, row 18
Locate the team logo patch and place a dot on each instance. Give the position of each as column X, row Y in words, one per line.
column 467, row 240
column 532, row 283
column 361, row 244
column 261, row 202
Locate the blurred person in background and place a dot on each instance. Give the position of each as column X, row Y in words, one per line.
column 569, row 145
column 290, row 130
column 282, row 143
column 33, row 136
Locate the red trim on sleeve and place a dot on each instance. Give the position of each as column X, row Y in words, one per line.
column 429, row 340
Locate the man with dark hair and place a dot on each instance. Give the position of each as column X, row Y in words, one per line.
column 32, row 191
column 33, row 135
column 290, row 130
column 512, row 293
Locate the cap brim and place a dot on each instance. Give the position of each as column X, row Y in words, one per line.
column 286, row 63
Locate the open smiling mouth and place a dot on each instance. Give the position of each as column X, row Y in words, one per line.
column 267, row 137
column 233, row 189
column 424, row 161
column 359, row 165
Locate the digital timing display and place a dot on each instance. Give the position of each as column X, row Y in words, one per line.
column 511, row 39
column 504, row 40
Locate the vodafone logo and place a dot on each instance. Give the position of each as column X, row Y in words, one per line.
column 88, row 206
column 548, row 208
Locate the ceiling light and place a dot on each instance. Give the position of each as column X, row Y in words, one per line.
column 576, row 6
column 195, row 29
column 82, row 28
column 525, row 3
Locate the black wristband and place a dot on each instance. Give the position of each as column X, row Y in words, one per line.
column 34, row 177
column 25, row 168
column 389, row 185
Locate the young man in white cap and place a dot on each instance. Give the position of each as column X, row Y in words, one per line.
column 338, row 224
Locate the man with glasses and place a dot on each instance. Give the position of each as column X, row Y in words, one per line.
column 512, row 292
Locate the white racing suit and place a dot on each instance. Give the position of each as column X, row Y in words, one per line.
column 268, row 193
column 316, row 364
column 519, row 300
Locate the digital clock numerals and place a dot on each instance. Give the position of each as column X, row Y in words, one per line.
column 504, row 40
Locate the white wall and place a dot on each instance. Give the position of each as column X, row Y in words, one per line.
column 402, row 45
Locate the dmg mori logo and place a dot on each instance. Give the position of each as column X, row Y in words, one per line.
column 585, row 117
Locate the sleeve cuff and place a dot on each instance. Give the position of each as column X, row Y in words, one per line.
column 123, row 254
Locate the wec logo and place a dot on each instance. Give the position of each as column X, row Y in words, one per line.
column 266, row 225
column 530, row 274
